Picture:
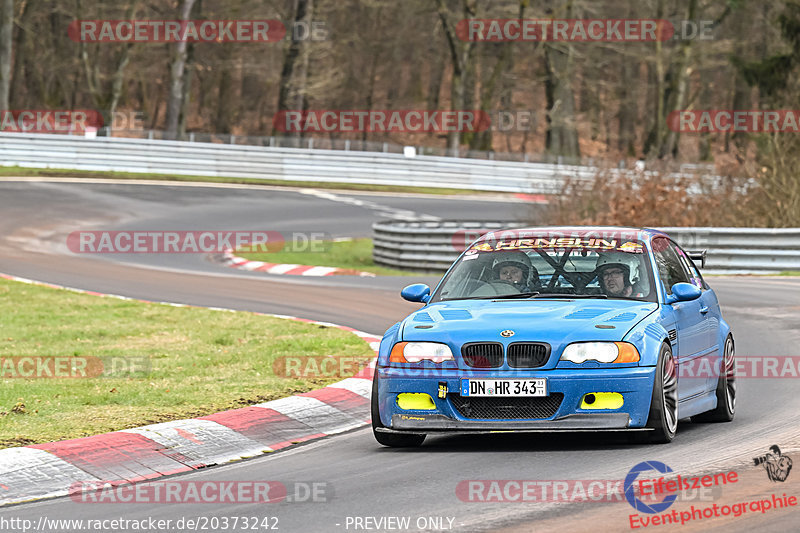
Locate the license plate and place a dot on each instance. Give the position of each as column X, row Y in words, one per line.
column 504, row 387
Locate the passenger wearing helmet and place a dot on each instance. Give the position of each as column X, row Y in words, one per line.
column 614, row 275
column 515, row 269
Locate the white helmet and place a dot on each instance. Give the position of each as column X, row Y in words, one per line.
column 616, row 259
column 517, row 259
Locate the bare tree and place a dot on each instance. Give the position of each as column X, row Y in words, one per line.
column 6, row 49
column 461, row 57
column 175, row 102
column 294, row 75
column 562, row 134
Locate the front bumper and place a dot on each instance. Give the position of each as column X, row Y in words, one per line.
column 577, row 422
column 635, row 384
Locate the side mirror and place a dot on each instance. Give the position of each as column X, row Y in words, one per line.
column 684, row 292
column 418, row 292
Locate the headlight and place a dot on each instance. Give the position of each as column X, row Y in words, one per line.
column 603, row 352
column 414, row 352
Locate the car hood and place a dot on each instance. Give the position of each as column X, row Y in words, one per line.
column 557, row 322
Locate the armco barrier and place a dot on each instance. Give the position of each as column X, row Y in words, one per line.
column 152, row 156
column 296, row 164
column 431, row 246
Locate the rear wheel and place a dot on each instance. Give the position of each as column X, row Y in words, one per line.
column 726, row 389
column 663, row 416
column 395, row 440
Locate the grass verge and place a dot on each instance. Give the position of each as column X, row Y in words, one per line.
column 55, row 173
column 355, row 254
column 201, row 361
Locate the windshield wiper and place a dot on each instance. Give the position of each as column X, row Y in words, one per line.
column 564, row 295
column 509, row 296
column 496, row 296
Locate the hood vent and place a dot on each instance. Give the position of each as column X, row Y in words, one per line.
column 455, row 314
column 422, row 317
column 585, row 314
column 624, row 317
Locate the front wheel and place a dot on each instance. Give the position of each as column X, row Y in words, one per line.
column 663, row 417
column 726, row 389
column 394, row 440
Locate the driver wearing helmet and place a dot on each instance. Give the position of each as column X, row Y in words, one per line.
column 515, row 269
column 614, row 275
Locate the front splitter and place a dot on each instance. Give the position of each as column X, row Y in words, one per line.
column 574, row 422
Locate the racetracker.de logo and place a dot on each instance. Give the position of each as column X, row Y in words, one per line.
column 390, row 121
column 572, row 30
column 49, row 120
column 172, row 492
column 734, row 120
column 318, row 366
column 748, row 367
column 171, row 31
column 175, row 242
column 546, row 490
column 76, row 367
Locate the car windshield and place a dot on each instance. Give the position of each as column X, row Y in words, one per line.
column 520, row 266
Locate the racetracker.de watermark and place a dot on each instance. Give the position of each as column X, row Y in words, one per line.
column 75, row 367
column 390, row 121
column 735, row 120
column 49, row 120
column 318, row 366
column 583, row 30
column 201, row 492
column 170, row 31
column 748, row 367
column 195, row 242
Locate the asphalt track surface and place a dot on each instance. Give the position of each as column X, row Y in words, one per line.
column 361, row 478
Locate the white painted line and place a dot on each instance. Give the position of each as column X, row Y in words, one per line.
column 252, row 265
column 319, row 271
column 282, row 269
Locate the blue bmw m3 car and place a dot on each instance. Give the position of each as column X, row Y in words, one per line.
column 558, row 329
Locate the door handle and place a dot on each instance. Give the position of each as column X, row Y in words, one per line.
column 704, row 309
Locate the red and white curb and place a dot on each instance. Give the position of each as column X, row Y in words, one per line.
column 53, row 469
column 231, row 260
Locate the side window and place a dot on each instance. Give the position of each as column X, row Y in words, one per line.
column 694, row 275
column 670, row 269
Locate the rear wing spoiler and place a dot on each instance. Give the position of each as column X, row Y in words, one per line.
column 698, row 256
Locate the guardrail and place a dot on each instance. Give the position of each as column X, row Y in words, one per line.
column 431, row 246
column 295, row 164
column 330, row 143
column 153, row 156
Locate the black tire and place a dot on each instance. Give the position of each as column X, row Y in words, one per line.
column 394, row 440
column 663, row 417
column 726, row 389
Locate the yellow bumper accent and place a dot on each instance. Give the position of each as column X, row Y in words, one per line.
column 602, row 400
column 415, row 400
